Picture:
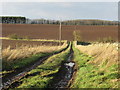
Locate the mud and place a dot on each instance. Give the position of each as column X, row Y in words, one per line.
column 64, row 74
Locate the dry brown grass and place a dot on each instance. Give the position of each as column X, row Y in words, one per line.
column 103, row 53
column 26, row 51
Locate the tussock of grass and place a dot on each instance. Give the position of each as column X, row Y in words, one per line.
column 91, row 75
column 35, row 82
column 43, row 74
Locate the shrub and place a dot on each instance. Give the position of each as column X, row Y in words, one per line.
column 13, row 36
column 106, row 40
column 77, row 36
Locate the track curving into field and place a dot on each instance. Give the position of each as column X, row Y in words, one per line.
column 11, row 78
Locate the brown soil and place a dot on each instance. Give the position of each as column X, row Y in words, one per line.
column 39, row 31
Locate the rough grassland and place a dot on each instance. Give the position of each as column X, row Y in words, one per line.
column 95, row 75
column 103, row 52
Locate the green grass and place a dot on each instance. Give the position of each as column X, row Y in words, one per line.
column 93, row 76
column 23, row 62
column 43, row 74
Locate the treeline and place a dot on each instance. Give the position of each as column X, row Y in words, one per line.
column 41, row 21
column 73, row 22
column 12, row 20
column 24, row 20
column 90, row 22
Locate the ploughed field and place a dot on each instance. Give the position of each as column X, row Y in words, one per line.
column 39, row 31
column 18, row 43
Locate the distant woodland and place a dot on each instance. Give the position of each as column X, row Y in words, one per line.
column 24, row 20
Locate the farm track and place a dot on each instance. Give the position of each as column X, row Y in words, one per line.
column 65, row 73
column 13, row 77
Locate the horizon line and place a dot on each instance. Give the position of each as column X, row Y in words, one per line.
column 57, row 19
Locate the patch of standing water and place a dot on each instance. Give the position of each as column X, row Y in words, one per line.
column 71, row 64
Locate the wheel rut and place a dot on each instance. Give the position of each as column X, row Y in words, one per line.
column 65, row 73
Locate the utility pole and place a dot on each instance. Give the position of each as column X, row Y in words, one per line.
column 60, row 35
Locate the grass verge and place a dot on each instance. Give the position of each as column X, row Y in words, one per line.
column 93, row 76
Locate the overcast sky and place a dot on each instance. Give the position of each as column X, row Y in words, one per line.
column 62, row 10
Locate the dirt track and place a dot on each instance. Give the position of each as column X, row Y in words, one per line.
column 38, row 31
